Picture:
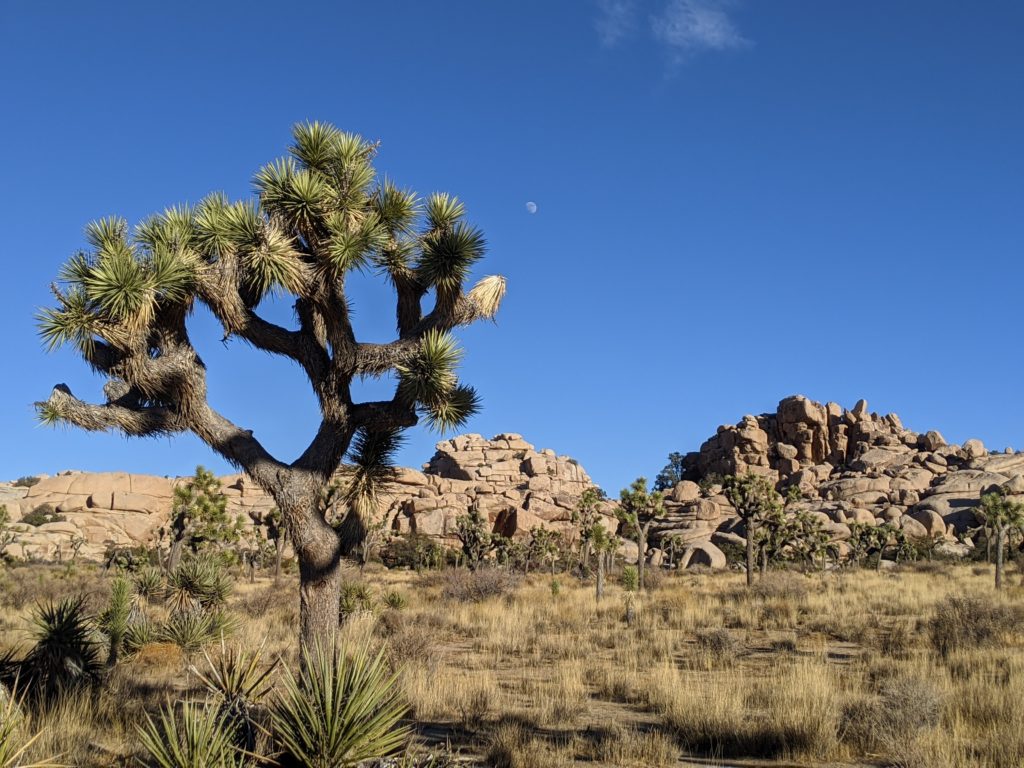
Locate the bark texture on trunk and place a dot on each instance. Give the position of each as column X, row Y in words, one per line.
column 319, row 551
column 750, row 552
column 1000, row 547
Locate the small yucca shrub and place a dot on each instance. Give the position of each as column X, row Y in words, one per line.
column 342, row 710
column 189, row 631
column 238, row 679
column 194, row 737
column 149, row 583
column 197, row 582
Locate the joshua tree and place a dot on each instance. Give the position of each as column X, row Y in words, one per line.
column 603, row 544
column 1000, row 514
column 637, row 510
column 477, row 540
column 318, row 215
column 584, row 517
column 545, row 546
column 755, row 499
column 199, row 517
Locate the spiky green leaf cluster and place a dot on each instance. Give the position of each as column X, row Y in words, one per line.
column 449, row 254
column 345, row 709
column 429, row 379
column 372, row 465
column 192, row 736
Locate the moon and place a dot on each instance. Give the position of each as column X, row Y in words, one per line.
column 531, row 207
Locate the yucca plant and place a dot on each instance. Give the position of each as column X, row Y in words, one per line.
column 149, row 583
column 189, row 631
column 320, row 214
column 396, row 601
column 139, row 633
column 64, row 657
column 196, row 736
column 238, row 679
column 15, row 740
column 197, row 582
column 355, row 597
column 343, row 709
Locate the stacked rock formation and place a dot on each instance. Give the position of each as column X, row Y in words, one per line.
column 514, row 485
column 849, row 465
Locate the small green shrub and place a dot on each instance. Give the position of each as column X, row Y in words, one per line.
column 26, row 482
column 43, row 514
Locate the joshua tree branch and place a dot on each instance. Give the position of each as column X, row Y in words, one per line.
column 138, row 421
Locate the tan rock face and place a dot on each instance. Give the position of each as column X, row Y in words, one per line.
column 514, row 485
column 850, row 465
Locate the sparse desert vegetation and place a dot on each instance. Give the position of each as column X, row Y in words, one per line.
column 917, row 666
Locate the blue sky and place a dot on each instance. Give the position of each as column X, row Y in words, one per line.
column 737, row 201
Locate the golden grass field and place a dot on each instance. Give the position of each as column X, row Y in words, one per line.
column 842, row 668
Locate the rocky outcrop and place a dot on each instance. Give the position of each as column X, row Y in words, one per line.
column 847, row 465
column 506, row 478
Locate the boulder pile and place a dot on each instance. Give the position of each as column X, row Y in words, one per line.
column 848, row 466
column 506, row 478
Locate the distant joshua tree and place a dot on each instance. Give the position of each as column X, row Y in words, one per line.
column 755, row 500
column 1000, row 514
column 637, row 510
column 319, row 215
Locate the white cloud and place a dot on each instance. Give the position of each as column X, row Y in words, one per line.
column 691, row 26
column 615, row 20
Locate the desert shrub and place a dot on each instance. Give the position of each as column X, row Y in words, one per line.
column 903, row 706
column 962, row 621
column 396, row 601
column 26, row 482
column 475, row 586
column 619, row 746
column 784, row 586
column 43, row 514
column 343, row 710
column 413, row 550
column 896, row 640
column 513, row 746
column 138, row 634
column 129, row 559
column 719, row 642
column 270, row 600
